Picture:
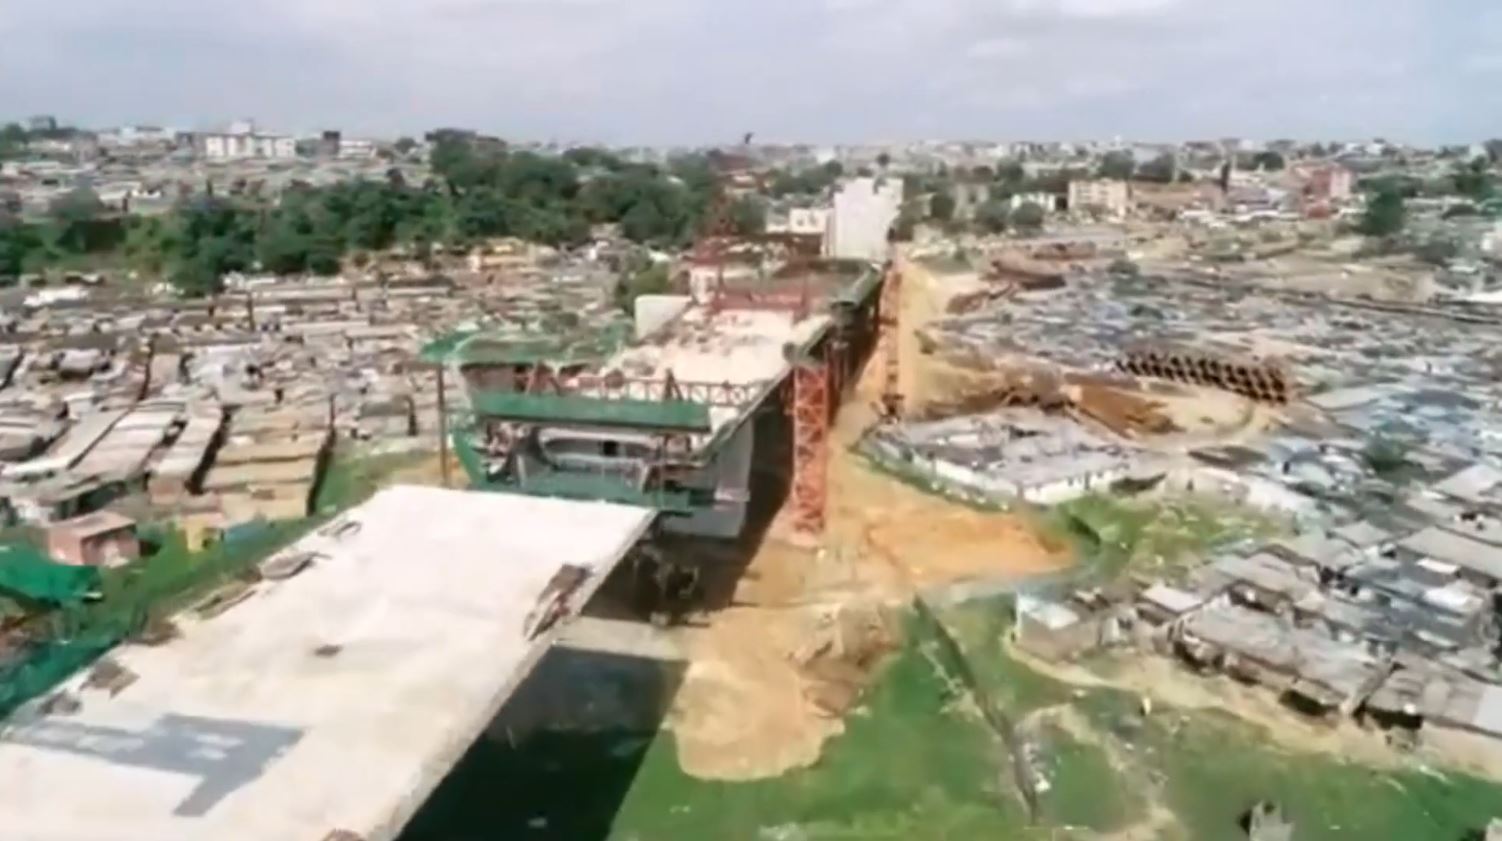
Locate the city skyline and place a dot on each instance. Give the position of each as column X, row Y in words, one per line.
column 669, row 72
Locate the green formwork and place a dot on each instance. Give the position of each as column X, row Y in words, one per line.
column 575, row 410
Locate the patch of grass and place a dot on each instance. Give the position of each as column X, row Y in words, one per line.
column 980, row 629
column 909, row 766
column 351, row 478
column 1216, row 767
column 1084, row 790
column 915, row 765
column 1117, row 535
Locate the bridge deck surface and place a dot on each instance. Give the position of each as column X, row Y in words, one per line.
column 333, row 700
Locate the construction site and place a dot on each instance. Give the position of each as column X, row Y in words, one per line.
column 1015, row 545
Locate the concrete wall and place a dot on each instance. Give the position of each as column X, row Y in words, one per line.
column 730, row 478
column 654, row 311
column 864, row 210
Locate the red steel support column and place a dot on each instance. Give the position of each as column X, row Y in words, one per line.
column 811, row 405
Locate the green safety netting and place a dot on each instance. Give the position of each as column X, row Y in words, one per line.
column 26, row 572
column 576, row 410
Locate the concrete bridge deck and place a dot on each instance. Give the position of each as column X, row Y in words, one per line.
column 333, row 700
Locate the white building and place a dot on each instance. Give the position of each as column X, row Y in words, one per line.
column 804, row 221
column 137, row 136
column 809, row 220
column 1048, row 201
column 357, row 149
column 864, row 210
column 1103, row 196
column 228, row 147
column 1491, row 241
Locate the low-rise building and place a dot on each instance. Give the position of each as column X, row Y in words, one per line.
column 863, row 214
column 354, row 148
column 227, row 147
column 101, row 539
column 1106, row 196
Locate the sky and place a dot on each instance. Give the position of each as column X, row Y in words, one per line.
column 668, row 72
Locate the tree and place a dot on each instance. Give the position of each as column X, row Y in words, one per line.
column 1161, row 169
column 1385, row 214
column 993, row 216
column 941, row 207
column 906, row 224
column 1494, row 150
column 17, row 242
column 652, row 280
column 748, row 216
column 1269, row 160
column 1473, row 180
column 1010, row 173
column 404, row 145
column 78, row 205
column 1117, row 165
column 883, row 160
column 13, row 140
column 1028, row 216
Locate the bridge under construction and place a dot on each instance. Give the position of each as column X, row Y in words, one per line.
column 330, row 699
column 664, row 423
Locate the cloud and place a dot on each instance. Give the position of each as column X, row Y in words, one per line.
column 1001, row 46
column 698, row 71
column 1093, row 8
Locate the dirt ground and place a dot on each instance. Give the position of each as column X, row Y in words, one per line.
column 769, row 677
column 766, row 687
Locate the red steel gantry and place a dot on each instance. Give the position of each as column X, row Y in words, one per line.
column 811, row 410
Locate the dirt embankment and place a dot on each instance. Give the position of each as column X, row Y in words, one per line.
column 770, row 678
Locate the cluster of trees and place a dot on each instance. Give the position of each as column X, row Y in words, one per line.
column 1122, row 166
column 14, row 138
column 1474, row 180
column 1385, row 214
column 807, row 182
column 996, row 216
column 476, row 192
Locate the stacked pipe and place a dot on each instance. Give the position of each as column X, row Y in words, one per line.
column 1266, row 381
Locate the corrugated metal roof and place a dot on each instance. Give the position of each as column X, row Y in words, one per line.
column 1453, row 548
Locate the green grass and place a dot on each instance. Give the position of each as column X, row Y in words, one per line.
column 980, row 629
column 909, row 766
column 1216, row 767
column 914, row 764
column 1164, row 536
column 1084, row 789
column 351, row 478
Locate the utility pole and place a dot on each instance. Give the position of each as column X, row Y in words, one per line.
column 443, row 429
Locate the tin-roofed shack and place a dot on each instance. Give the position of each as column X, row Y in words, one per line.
column 100, row 539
